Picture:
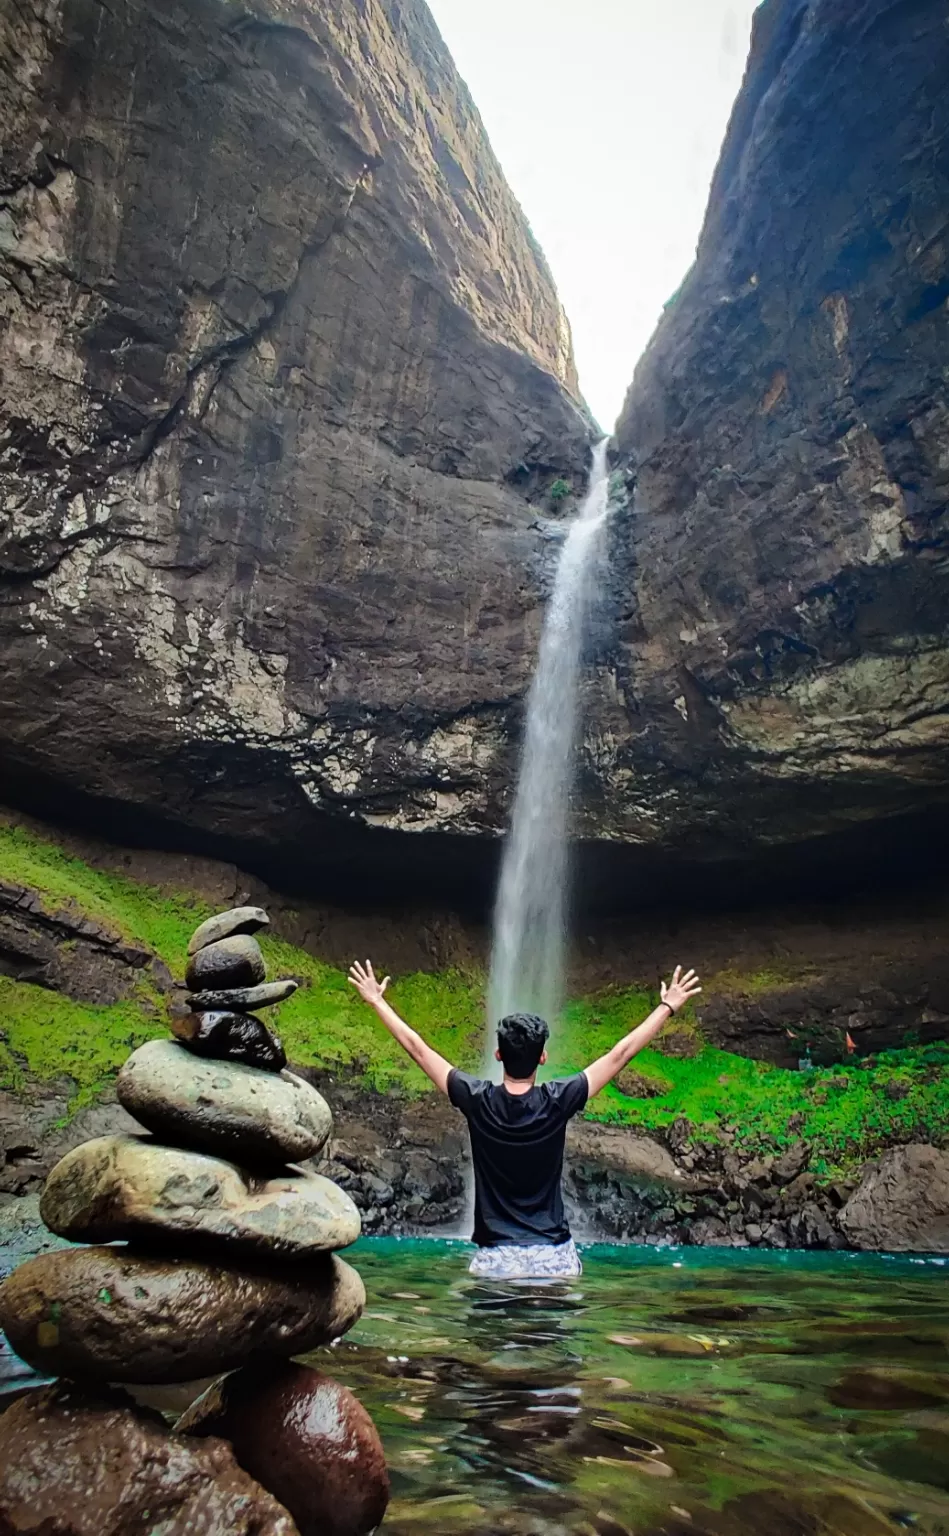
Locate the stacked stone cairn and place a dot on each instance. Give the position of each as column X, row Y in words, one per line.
column 210, row 1250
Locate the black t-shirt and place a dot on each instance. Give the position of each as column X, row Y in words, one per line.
column 517, row 1142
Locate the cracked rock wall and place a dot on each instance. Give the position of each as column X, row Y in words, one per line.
column 281, row 368
column 782, row 653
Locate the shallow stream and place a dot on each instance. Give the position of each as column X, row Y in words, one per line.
column 680, row 1391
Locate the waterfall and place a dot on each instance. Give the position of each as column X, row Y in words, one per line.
column 527, row 958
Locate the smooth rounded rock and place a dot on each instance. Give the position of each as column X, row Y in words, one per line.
column 306, row 1438
column 242, row 999
column 80, row 1463
column 235, row 1111
column 128, row 1188
column 223, row 924
column 230, row 1037
column 233, row 962
column 114, row 1315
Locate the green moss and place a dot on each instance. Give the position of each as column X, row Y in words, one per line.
column 50, row 1036
column 754, row 983
column 844, row 1112
column 164, row 923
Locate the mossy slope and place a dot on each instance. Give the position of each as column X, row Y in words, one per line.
column 845, row 1112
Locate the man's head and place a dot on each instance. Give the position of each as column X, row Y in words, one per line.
column 521, row 1041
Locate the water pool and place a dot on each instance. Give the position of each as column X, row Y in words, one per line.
column 675, row 1391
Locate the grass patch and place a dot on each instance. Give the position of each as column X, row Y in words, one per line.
column 845, row 1112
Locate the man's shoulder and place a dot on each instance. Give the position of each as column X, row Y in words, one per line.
column 463, row 1087
column 569, row 1092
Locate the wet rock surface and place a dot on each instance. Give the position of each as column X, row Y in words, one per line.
column 236, row 961
column 115, row 1315
column 307, row 1439
column 129, row 1188
column 901, row 1203
column 230, row 1037
column 75, row 1462
column 223, row 1107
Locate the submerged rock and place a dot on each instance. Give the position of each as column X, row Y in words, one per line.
column 242, row 998
column 223, row 924
column 230, row 1037
column 77, row 1463
column 233, row 962
column 115, row 1315
column 223, row 1107
column 304, row 1437
column 902, row 1203
column 123, row 1188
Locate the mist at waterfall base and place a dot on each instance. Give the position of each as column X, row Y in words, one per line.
column 529, row 939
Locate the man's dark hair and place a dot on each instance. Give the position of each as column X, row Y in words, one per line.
column 521, row 1041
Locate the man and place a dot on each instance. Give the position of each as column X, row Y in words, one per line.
column 518, row 1127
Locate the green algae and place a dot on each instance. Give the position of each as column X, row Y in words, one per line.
column 845, row 1112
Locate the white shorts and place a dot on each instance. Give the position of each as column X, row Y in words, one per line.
column 509, row 1261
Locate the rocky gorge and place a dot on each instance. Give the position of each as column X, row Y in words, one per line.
column 284, row 389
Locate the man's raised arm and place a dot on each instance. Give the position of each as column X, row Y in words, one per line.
column 678, row 992
column 372, row 992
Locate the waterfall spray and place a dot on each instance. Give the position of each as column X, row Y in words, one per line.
column 527, row 959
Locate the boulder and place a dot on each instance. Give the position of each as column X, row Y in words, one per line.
column 230, row 1037
column 243, row 999
column 115, row 1315
column 223, row 1107
column 304, row 1437
column 223, row 924
column 236, row 961
column 123, row 1188
column 639, row 1085
column 78, row 1463
column 901, row 1203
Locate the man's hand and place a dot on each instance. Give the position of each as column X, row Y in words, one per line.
column 363, row 978
column 679, row 990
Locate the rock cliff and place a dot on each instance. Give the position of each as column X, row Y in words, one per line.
column 782, row 657
column 284, row 380
column 281, row 366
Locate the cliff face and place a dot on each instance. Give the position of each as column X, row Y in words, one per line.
column 280, row 364
column 783, row 655
column 282, row 372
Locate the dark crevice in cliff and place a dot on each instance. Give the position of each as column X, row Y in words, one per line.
column 347, row 864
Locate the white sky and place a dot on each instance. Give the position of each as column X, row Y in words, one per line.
column 607, row 116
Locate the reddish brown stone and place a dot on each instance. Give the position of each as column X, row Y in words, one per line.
column 76, row 1463
column 306, row 1438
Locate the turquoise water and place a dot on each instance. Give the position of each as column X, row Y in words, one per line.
column 667, row 1391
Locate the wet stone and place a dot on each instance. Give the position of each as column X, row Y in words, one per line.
column 242, row 999
column 230, row 1037
column 304, row 1437
column 130, row 1188
column 80, row 1463
column 237, row 1112
column 111, row 1314
column 233, row 962
column 224, row 924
